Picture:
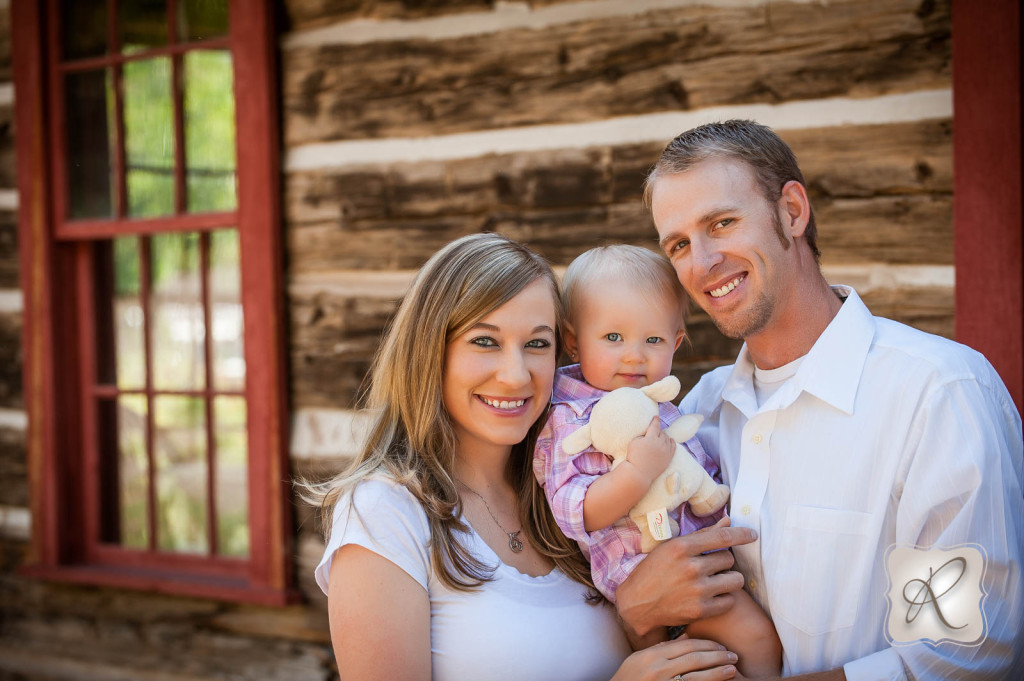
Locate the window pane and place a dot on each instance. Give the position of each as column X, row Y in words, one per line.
column 88, row 101
column 149, row 137
column 142, row 24
column 125, row 471
column 232, row 470
column 120, row 344
column 84, row 29
column 181, row 473
column 209, row 131
column 178, row 330
column 201, row 19
column 226, row 316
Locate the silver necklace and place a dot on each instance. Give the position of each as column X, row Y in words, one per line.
column 515, row 544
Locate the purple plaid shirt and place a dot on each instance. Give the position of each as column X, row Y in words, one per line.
column 615, row 550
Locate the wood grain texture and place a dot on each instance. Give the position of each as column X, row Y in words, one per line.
column 13, row 468
column 672, row 60
column 10, row 360
column 882, row 193
column 8, row 249
column 334, row 338
column 305, row 14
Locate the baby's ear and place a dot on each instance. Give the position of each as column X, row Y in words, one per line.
column 680, row 335
column 571, row 342
column 577, row 441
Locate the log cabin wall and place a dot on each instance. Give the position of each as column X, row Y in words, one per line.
column 409, row 123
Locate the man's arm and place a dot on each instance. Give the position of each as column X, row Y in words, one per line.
column 679, row 582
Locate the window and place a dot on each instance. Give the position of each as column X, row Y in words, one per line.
column 153, row 319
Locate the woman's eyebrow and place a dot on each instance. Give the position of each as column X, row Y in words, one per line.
column 492, row 327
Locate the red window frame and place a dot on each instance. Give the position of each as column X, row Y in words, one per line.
column 57, row 271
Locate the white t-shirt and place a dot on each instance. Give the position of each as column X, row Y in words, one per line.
column 513, row 627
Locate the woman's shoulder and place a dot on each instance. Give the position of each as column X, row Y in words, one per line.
column 382, row 515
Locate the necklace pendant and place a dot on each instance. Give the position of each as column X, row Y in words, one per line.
column 514, row 542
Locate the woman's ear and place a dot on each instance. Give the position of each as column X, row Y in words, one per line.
column 796, row 208
column 572, row 347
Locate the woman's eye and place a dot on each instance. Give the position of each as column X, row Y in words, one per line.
column 539, row 343
column 613, row 337
column 654, row 339
column 484, row 342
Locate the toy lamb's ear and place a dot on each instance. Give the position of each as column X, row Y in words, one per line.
column 684, row 427
column 577, row 441
column 663, row 390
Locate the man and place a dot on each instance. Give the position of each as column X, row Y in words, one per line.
column 842, row 435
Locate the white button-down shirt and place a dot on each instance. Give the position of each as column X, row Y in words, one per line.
column 884, row 436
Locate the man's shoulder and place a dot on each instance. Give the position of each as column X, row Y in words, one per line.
column 940, row 358
column 706, row 395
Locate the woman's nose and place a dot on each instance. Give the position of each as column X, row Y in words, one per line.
column 513, row 370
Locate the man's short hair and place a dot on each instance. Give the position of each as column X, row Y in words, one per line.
column 773, row 162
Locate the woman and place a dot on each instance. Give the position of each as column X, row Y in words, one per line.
column 443, row 560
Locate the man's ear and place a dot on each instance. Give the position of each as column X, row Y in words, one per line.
column 796, row 208
column 571, row 343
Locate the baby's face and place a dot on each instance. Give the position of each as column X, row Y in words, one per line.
column 624, row 338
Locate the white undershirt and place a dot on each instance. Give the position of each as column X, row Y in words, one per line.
column 768, row 381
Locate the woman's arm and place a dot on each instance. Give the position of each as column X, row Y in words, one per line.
column 380, row 618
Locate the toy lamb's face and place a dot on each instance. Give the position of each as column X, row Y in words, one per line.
column 620, row 416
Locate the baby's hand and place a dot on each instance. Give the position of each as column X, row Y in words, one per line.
column 651, row 452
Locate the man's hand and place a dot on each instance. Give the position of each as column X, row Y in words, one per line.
column 677, row 583
column 652, row 452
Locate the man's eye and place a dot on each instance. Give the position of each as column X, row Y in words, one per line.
column 679, row 245
column 725, row 222
column 654, row 339
column 613, row 337
column 484, row 342
column 539, row 343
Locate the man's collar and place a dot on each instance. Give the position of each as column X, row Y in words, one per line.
column 830, row 371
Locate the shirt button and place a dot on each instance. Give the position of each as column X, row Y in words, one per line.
column 757, row 439
column 752, row 584
column 745, row 510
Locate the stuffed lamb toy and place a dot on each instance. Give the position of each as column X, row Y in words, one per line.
column 625, row 413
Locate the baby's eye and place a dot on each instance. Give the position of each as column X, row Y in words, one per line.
column 613, row 337
column 654, row 339
column 539, row 343
column 484, row 342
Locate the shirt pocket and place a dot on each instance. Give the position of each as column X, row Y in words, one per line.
column 820, row 571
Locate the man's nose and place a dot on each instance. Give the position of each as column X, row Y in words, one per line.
column 705, row 256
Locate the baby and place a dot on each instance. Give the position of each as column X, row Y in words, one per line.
column 624, row 322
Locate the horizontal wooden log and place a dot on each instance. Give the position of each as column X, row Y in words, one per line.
column 13, row 468
column 8, row 163
column 8, row 250
column 682, row 59
column 10, row 360
column 335, row 337
column 5, row 45
column 305, row 14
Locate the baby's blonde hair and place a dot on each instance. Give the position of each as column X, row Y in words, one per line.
column 647, row 272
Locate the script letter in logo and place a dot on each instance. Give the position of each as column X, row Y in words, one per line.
column 935, row 595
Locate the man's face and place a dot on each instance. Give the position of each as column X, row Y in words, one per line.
column 726, row 243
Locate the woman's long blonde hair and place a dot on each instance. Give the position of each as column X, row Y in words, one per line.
column 412, row 438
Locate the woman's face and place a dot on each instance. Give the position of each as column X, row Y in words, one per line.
column 498, row 375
